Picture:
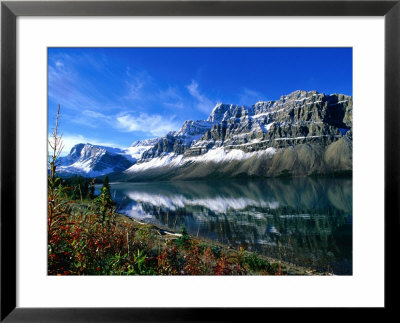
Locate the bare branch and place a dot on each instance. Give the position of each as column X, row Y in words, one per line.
column 56, row 145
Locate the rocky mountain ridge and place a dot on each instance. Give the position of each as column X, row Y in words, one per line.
column 302, row 133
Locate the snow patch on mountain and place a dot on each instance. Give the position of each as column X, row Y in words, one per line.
column 221, row 155
column 170, row 160
column 215, row 155
column 137, row 148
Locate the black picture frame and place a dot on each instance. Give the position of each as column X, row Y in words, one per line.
column 10, row 10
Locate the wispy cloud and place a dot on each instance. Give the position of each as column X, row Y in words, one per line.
column 138, row 83
column 99, row 62
column 70, row 90
column 135, row 89
column 92, row 119
column 174, row 105
column 102, row 95
column 203, row 104
column 59, row 64
column 170, row 93
column 153, row 124
column 171, row 97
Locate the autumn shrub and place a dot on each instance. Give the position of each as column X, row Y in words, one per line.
column 170, row 261
column 90, row 241
column 80, row 243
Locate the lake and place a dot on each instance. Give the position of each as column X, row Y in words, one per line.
column 306, row 221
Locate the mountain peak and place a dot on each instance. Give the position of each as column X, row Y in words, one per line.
column 93, row 160
column 217, row 112
column 145, row 142
column 223, row 111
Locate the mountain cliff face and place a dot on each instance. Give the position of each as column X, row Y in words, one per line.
column 178, row 142
column 302, row 133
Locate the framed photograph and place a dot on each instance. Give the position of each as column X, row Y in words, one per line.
column 193, row 152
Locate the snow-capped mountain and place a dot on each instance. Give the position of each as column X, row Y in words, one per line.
column 92, row 160
column 302, row 133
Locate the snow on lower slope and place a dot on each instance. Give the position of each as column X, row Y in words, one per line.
column 167, row 160
column 216, row 155
column 220, row 155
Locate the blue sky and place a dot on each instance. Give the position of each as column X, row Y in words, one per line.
column 114, row 96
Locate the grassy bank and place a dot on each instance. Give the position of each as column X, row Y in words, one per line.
column 87, row 237
column 82, row 243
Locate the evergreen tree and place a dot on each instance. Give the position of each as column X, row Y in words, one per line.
column 91, row 189
column 106, row 184
column 105, row 200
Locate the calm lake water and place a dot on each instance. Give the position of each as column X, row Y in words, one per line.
column 302, row 220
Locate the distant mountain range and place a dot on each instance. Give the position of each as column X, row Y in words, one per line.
column 302, row 133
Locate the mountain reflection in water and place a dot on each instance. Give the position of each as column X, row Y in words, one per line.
column 302, row 220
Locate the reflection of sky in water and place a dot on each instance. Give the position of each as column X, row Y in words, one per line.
column 307, row 221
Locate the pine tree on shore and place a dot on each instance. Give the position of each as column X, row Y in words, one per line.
column 91, row 189
column 105, row 200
